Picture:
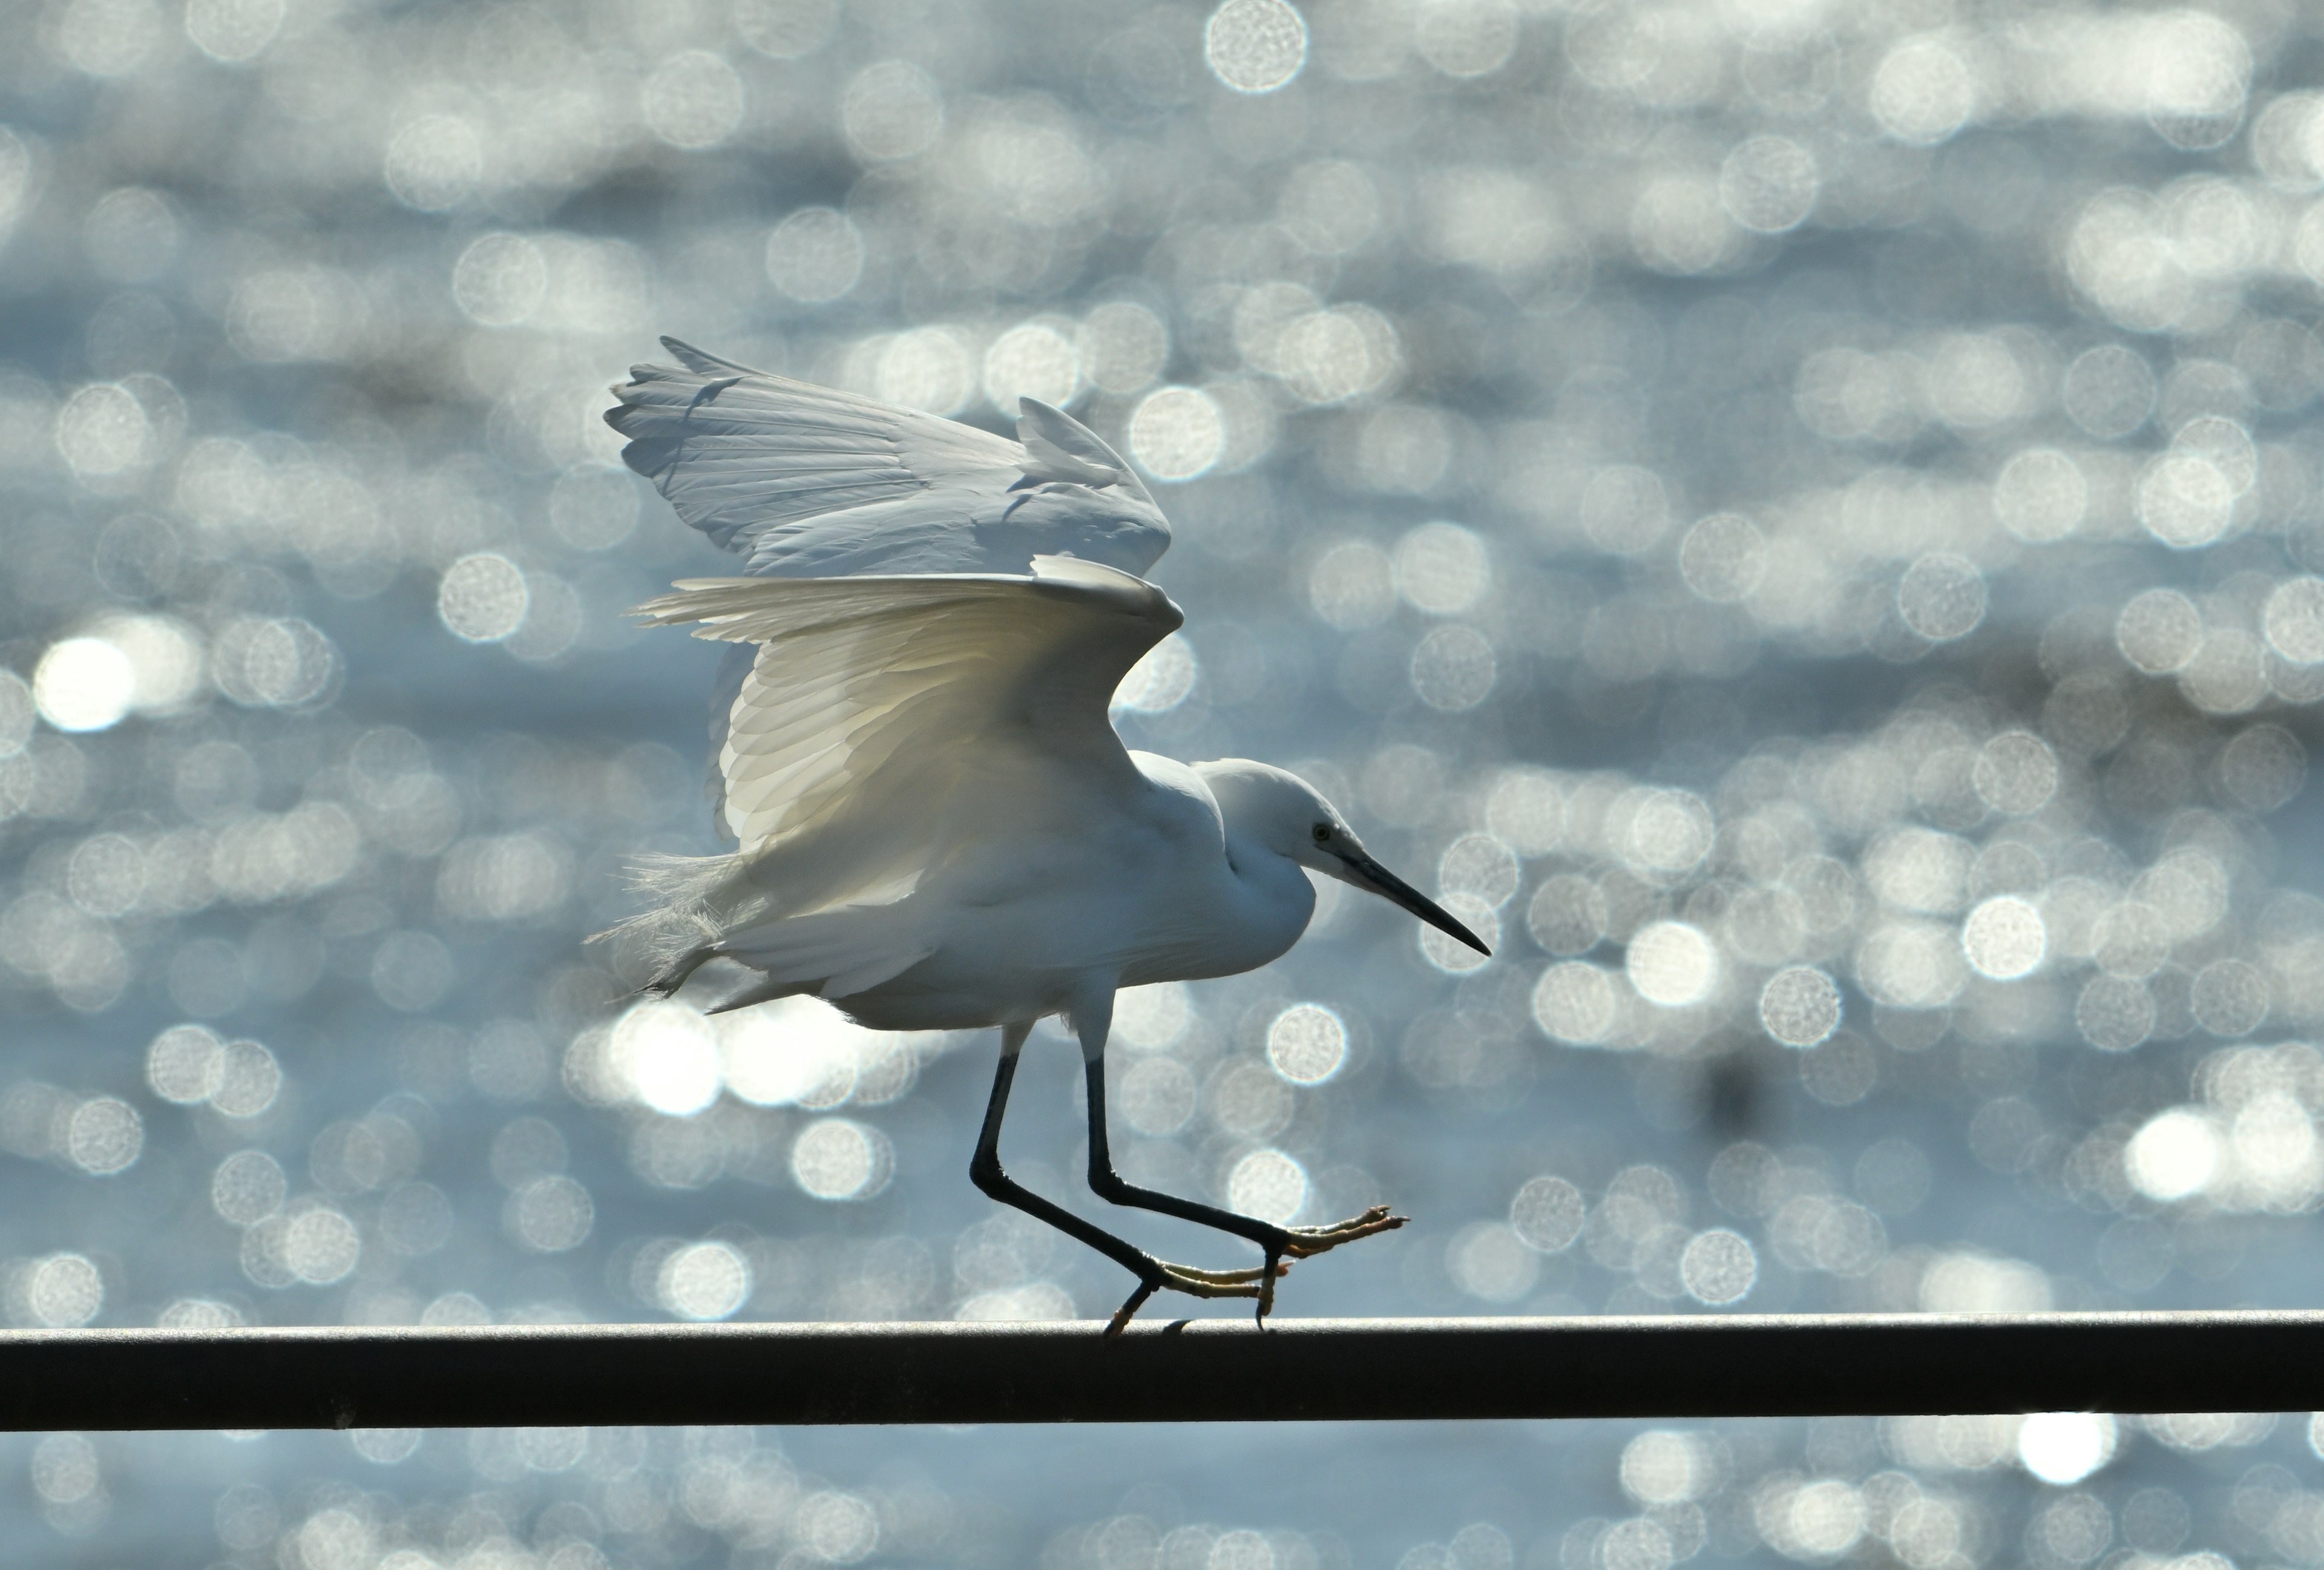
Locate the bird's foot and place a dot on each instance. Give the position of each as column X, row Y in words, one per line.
column 1296, row 1242
column 1306, row 1242
column 1257, row 1282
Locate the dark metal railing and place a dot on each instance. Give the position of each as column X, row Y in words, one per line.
column 1208, row 1371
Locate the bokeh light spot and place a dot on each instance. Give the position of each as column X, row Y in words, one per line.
column 2159, row 630
column 666, row 1054
column 1306, row 1044
column 1922, row 92
column 1547, row 1213
column 322, row 1245
column 550, row 1214
column 814, row 256
column 2185, row 501
column 1351, row 587
column 838, row 1159
column 1487, row 1260
column 1255, row 46
column 233, row 31
column 185, row 1064
column 1268, row 1184
column 108, row 38
column 1575, row 1002
column 500, row 280
column 1031, row 360
column 692, row 100
column 2061, row 1448
column 1942, row 596
column 84, row 684
column 1442, row 568
column 1768, row 184
column 1723, row 558
column 1177, row 433
column 1799, row 1007
column 2294, row 620
column 104, row 430
column 1161, row 680
column 1718, row 1267
column 66, row 1292
column 1453, row 669
column 891, row 110
column 2041, row 494
column 434, row 163
column 2016, row 773
column 1672, row 963
column 2174, row 1155
column 482, row 598
column 705, row 1281
column 105, row 1136
column 2004, row 937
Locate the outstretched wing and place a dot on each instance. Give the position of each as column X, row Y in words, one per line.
column 804, row 481
column 872, row 701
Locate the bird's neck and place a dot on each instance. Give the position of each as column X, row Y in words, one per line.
column 1268, row 899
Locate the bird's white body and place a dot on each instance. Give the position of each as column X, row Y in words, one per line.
column 937, row 827
column 1047, row 902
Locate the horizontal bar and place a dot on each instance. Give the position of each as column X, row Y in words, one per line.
column 1206, row 1371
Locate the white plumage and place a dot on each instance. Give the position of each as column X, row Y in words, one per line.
column 804, row 481
column 889, row 729
column 935, row 824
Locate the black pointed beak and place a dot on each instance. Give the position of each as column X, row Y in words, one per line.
column 1366, row 872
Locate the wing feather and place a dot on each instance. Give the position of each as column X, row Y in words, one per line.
column 873, row 699
column 805, row 481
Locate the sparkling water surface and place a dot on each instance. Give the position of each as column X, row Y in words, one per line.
column 1798, row 521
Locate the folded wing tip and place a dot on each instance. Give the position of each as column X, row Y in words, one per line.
column 1126, row 588
column 1066, row 566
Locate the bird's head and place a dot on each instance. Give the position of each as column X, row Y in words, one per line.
column 1277, row 810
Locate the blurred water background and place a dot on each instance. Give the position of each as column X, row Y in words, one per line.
column 1799, row 519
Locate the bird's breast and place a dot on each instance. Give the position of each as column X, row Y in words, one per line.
column 1236, row 914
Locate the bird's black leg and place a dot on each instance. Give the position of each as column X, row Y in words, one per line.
column 1275, row 1241
column 1153, row 1275
column 1094, row 1021
column 984, row 1171
column 1110, row 1186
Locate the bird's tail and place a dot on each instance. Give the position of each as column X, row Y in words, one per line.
column 690, row 895
column 707, row 906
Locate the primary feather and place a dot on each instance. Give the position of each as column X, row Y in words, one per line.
column 804, row 481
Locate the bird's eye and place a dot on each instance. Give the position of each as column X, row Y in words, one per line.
column 1322, row 834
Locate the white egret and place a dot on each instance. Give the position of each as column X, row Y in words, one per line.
column 937, row 827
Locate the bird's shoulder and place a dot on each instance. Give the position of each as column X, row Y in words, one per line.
column 1173, row 800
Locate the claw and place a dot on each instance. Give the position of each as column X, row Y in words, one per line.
column 1273, row 1268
